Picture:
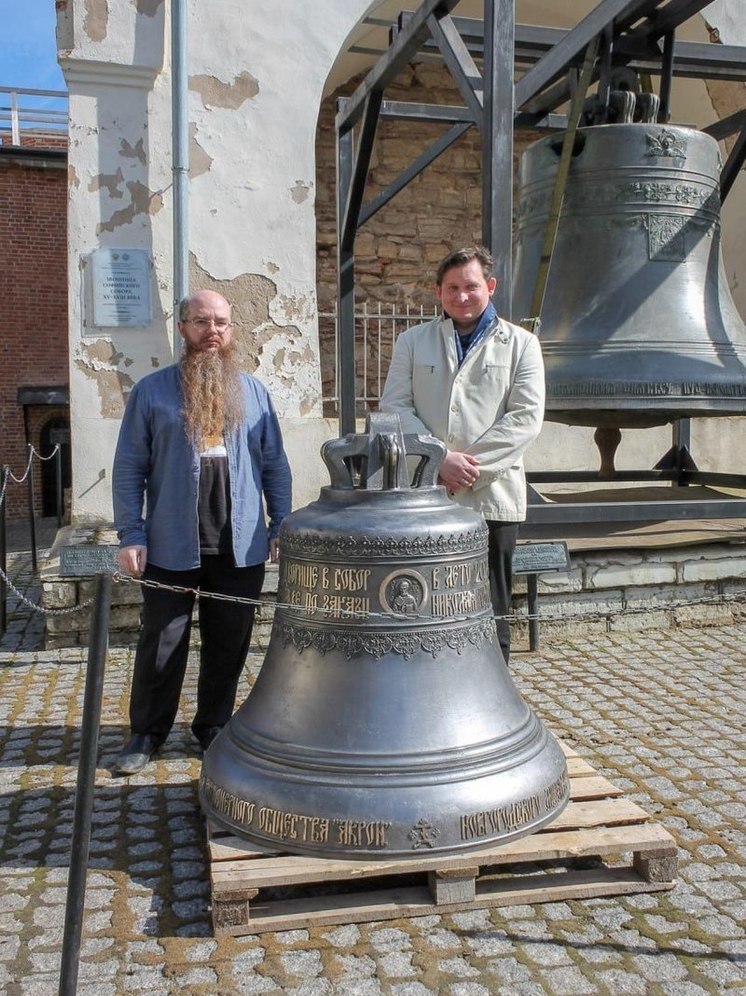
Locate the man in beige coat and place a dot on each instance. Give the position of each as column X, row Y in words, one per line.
column 476, row 382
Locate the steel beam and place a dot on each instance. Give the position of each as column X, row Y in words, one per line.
column 404, row 46
column 497, row 147
column 733, row 165
column 460, row 63
column 692, row 60
column 556, row 513
column 727, row 126
column 446, row 113
column 622, row 13
column 661, row 22
column 360, row 168
column 345, row 284
column 406, row 176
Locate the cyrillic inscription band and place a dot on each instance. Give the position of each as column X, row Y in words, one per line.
column 330, row 592
column 505, row 819
column 282, row 825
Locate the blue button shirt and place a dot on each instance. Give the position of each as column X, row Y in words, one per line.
column 157, row 467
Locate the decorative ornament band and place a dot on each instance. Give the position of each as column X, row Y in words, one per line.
column 300, row 544
column 376, row 643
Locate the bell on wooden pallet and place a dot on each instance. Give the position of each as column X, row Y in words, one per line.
column 638, row 326
column 384, row 722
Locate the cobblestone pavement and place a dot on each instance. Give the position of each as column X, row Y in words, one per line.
column 660, row 715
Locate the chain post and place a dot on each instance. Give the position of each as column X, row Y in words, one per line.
column 31, row 510
column 81, row 835
column 3, row 555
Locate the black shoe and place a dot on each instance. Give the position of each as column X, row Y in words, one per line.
column 137, row 753
column 207, row 736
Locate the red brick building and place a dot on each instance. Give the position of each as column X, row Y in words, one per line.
column 33, row 332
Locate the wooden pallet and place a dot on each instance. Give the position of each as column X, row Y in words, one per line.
column 256, row 889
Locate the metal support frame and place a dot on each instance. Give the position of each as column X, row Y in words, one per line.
column 636, row 33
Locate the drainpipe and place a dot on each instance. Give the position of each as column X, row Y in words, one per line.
column 180, row 158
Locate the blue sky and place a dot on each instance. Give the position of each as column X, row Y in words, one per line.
column 28, row 51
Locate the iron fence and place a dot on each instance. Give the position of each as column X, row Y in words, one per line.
column 377, row 326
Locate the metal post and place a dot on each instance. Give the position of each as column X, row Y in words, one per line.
column 497, row 145
column 345, row 281
column 31, row 510
column 81, row 836
column 532, row 585
column 15, row 130
column 180, row 159
column 58, row 483
column 3, row 554
column 681, row 434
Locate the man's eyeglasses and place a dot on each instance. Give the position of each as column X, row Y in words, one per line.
column 203, row 324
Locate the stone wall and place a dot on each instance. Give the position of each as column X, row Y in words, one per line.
column 642, row 589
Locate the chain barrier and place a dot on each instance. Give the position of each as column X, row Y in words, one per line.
column 513, row 617
column 20, row 595
column 33, row 452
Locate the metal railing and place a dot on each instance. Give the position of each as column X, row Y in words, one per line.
column 28, row 114
column 377, row 326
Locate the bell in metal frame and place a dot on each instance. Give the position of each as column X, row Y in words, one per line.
column 638, row 326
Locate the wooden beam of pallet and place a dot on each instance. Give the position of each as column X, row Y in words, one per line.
column 292, row 869
column 394, row 903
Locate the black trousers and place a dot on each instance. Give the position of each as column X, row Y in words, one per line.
column 163, row 646
column 502, row 540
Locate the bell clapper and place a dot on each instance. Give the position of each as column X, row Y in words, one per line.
column 607, row 438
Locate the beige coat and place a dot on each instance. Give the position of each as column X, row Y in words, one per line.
column 492, row 406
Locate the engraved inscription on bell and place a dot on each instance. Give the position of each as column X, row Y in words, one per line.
column 383, row 722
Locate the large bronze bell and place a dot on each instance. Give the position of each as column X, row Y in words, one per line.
column 638, row 326
column 384, row 722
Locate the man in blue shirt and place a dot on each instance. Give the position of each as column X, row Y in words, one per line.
column 200, row 453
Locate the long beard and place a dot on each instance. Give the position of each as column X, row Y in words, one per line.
column 213, row 393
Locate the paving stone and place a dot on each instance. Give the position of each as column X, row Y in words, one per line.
column 397, row 964
column 642, row 713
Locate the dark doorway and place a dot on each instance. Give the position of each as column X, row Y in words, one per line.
column 55, row 431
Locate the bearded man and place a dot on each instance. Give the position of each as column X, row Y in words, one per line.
column 201, row 449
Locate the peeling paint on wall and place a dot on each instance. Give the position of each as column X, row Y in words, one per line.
column 215, row 93
column 73, row 180
column 300, row 191
column 199, row 161
column 149, row 8
column 99, row 361
column 96, row 20
column 127, row 151
column 144, row 201
column 298, row 307
column 257, row 335
column 110, row 182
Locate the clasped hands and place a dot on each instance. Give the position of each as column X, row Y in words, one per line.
column 458, row 471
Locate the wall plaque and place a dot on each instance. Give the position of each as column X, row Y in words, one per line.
column 85, row 559
column 534, row 558
column 121, row 288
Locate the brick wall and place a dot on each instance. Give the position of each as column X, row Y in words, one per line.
column 33, row 292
